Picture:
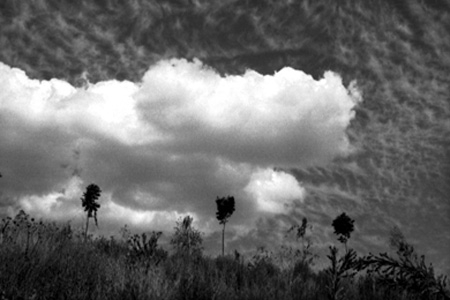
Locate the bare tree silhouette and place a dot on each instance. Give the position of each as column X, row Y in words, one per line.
column 90, row 206
column 225, row 208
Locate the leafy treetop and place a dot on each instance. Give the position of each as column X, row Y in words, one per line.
column 225, row 208
column 343, row 226
column 88, row 201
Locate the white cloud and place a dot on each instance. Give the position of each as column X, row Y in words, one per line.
column 170, row 144
column 274, row 191
column 287, row 119
column 54, row 204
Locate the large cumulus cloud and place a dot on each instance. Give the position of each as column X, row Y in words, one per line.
column 169, row 144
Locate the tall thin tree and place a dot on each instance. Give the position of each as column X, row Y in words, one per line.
column 90, row 206
column 225, row 208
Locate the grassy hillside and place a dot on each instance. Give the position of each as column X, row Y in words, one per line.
column 46, row 261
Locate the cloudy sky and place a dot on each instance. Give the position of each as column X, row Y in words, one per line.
column 170, row 144
column 296, row 110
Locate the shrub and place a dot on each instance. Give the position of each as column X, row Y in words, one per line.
column 187, row 240
column 144, row 250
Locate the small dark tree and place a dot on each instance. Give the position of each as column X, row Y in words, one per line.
column 225, row 208
column 343, row 227
column 344, row 267
column 90, row 206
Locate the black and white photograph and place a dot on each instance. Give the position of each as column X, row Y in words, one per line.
column 225, row 149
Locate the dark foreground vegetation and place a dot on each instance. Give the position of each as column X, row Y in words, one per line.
column 40, row 260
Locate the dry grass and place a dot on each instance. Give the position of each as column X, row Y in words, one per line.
column 46, row 261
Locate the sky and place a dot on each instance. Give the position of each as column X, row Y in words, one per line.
column 169, row 145
column 295, row 108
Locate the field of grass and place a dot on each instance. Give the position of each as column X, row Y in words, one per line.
column 41, row 260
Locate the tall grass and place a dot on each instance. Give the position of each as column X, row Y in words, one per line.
column 47, row 261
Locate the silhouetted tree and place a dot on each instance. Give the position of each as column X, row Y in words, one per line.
column 90, row 206
column 225, row 208
column 343, row 227
column 345, row 266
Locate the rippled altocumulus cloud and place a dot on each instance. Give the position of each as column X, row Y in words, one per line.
column 170, row 144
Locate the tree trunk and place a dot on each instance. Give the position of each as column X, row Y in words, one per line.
column 86, row 228
column 223, row 240
column 188, row 242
